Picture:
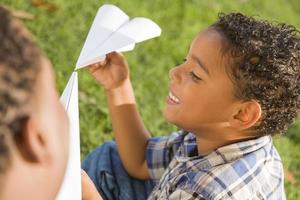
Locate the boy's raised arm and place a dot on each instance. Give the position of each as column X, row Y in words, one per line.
column 130, row 134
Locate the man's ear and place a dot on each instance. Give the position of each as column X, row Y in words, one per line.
column 246, row 115
column 32, row 143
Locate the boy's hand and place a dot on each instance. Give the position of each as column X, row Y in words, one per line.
column 89, row 191
column 112, row 72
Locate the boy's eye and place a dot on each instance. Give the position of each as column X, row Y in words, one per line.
column 194, row 76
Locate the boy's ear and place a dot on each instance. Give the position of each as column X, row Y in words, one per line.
column 246, row 115
column 32, row 143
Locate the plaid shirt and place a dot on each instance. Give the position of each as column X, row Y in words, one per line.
column 246, row 170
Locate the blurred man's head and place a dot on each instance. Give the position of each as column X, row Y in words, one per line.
column 33, row 124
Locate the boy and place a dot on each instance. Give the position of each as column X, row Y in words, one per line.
column 33, row 124
column 238, row 86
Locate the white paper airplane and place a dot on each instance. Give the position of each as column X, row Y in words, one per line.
column 71, row 186
column 112, row 31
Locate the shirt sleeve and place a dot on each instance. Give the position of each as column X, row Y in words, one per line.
column 160, row 151
column 180, row 194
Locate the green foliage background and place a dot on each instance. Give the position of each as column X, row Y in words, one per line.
column 61, row 35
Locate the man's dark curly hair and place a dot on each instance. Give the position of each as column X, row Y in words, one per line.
column 264, row 66
column 19, row 65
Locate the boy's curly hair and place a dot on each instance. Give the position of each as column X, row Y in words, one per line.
column 264, row 66
column 19, row 65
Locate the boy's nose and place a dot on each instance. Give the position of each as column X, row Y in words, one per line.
column 174, row 73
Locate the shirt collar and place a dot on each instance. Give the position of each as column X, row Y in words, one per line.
column 221, row 155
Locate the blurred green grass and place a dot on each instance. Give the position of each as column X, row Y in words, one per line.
column 61, row 35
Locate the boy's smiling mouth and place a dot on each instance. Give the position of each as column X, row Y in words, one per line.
column 172, row 99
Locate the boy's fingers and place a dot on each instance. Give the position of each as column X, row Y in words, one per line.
column 115, row 54
column 103, row 62
column 111, row 56
column 92, row 68
column 116, row 58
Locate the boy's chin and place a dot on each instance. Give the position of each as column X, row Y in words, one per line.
column 169, row 117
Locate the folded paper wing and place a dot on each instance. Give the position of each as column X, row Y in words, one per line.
column 71, row 186
column 112, row 31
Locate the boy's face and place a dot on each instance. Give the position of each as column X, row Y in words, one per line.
column 53, row 122
column 200, row 91
column 42, row 154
